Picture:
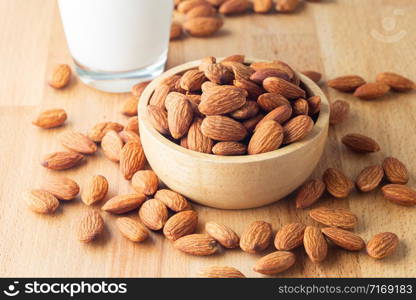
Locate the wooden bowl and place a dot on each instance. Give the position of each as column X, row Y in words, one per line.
column 233, row 182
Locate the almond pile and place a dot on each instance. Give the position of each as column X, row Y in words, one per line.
column 202, row 17
column 231, row 108
column 385, row 82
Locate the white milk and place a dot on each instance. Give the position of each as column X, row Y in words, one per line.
column 117, row 35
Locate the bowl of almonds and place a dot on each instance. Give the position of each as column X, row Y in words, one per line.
column 233, row 133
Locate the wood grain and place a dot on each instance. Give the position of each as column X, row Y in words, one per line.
column 317, row 37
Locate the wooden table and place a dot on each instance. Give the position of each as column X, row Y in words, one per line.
column 334, row 37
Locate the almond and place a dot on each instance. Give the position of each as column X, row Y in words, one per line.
column 395, row 170
column 158, row 117
column 347, row 83
column 145, row 182
column 253, row 90
column 132, row 229
column 337, row 183
column 95, row 190
column 247, row 111
column 61, row 75
column 313, row 75
column 287, row 5
column 229, row 148
column 184, row 142
column 50, row 118
column 218, row 74
column 315, row 244
column 261, row 74
column 180, row 116
column 132, row 159
column 399, row 194
column 185, row 6
column 173, row 200
column 283, row 87
column 251, row 124
column 314, row 105
column 137, row 89
column 275, row 262
column 309, row 193
column 159, row 95
column 220, row 272
column 132, row 125
column 340, row 111
column 62, row 188
column 129, row 136
column 300, row 107
column 90, row 226
column 240, row 70
column 112, row 144
column 192, row 80
column 222, row 234
column 97, row 133
column 203, row 26
column 196, row 244
column 336, row 217
column 129, row 107
column 196, row 140
column 267, row 137
column 269, row 101
column 206, row 62
column 240, row 58
column 78, row 142
column 344, row 239
column 153, row 214
column 231, row 7
column 360, row 143
column 222, row 100
column 206, row 86
column 172, row 83
column 262, row 6
column 369, row 178
column 61, row 160
column 280, row 114
column 372, row 90
column 201, row 11
column 276, row 64
column 223, row 129
column 256, row 237
column 41, row 201
column 382, row 245
column 123, row 203
column 297, row 128
column 180, row 224
column 175, row 31
column 289, row 236
column 397, row 82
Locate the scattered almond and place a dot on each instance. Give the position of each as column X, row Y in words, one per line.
column 173, row 200
column 397, row 82
column 132, row 159
column 61, row 160
column 315, row 244
column 153, row 214
column 337, row 183
column 231, row 7
column 289, row 236
column 132, row 229
column 50, row 118
column 129, row 107
column 360, row 143
column 372, row 90
column 382, row 245
column 344, row 239
column 123, row 203
column 262, row 6
column 339, row 112
column 145, row 182
column 313, row 75
column 90, row 226
column 256, row 237
column 395, row 170
column 41, row 201
column 78, row 142
column 95, row 190
column 129, row 136
column 180, row 224
column 275, row 262
column 369, row 178
column 201, row 11
column 61, row 75
column 62, row 188
column 399, row 194
column 336, row 217
column 132, row 124
column 287, row 5
column 309, row 193
column 347, row 83
column 196, row 244
column 220, row 272
column 97, row 133
column 203, row 26
column 222, row 234
column 137, row 89
column 112, row 144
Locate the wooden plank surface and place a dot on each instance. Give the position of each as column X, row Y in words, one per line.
column 334, row 37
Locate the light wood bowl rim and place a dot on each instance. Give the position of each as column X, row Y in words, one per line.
column 319, row 126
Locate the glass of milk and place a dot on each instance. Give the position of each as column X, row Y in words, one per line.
column 117, row 43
